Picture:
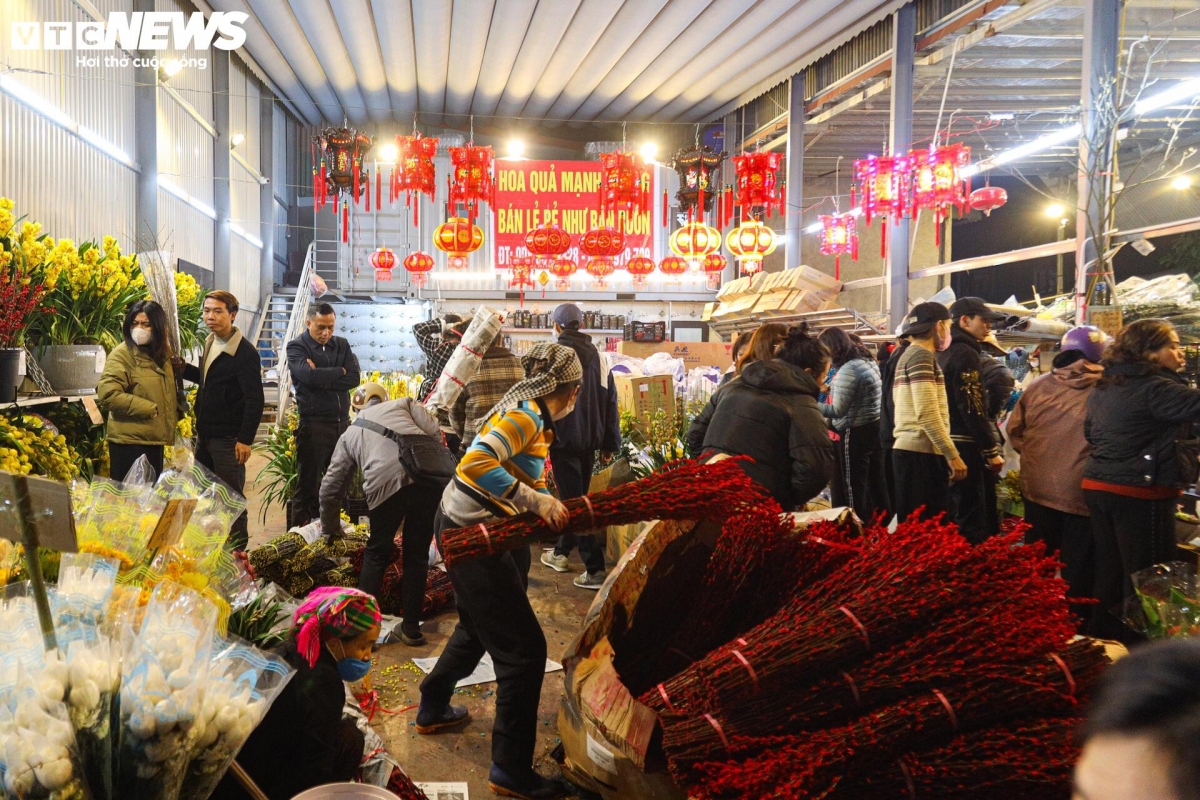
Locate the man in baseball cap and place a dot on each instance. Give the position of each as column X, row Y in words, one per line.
column 924, row 459
column 971, row 428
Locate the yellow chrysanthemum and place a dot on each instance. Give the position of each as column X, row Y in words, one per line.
column 6, row 204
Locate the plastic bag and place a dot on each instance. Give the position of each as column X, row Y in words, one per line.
column 243, row 682
column 38, row 756
column 166, row 669
column 92, row 667
column 21, row 642
column 85, row 585
column 115, row 520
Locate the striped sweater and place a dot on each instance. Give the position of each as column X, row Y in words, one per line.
column 922, row 409
column 506, row 460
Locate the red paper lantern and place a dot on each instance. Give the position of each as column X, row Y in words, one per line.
column 414, row 172
column 757, row 179
column 459, row 238
column 547, row 241
column 600, row 268
column 471, row 167
column 694, row 241
column 640, row 268
column 562, row 269
column 605, row 241
column 839, row 234
column 713, row 265
column 988, row 199
column 750, row 243
column 418, row 264
column 885, row 183
column 384, row 261
column 624, row 183
column 673, row 267
column 938, row 183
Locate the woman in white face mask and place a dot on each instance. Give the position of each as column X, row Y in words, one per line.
column 138, row 392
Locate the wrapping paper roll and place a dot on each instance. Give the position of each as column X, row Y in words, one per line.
column 464, row 362
column 1048, row 327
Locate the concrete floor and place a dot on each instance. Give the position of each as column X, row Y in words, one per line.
column 463, row 754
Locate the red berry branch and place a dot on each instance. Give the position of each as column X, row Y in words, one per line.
column 686, row 491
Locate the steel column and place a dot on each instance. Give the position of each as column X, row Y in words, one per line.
column 793, row 219
column 222, row 173
column 266, row 192
column 1101, row 43
column 904, row 33
column 145, row 145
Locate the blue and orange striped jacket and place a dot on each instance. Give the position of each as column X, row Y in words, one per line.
column 511, row 448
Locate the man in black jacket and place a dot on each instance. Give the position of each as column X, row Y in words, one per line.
column 229, row 402
column 973, row 500
column 594, row 425
column 324, row 369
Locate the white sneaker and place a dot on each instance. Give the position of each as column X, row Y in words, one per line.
column 555, row 562
column 589, row 580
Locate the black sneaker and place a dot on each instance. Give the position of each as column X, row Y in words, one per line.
column 530, row 786
column 431, row 720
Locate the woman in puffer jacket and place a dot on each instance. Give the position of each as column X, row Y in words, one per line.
column 770, row 414
column 1139, row 424
column 853, row 406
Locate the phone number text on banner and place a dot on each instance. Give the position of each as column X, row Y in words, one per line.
column 563, row 193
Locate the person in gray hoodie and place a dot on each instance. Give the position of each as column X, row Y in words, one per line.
column 394, row 497
column 854, row 403
column 1046, row 428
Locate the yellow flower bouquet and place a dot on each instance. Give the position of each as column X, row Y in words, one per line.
column 27, row 271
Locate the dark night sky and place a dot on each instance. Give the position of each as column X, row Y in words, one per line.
column 1023, row 223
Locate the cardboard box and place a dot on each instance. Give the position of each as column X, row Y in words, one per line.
column 806, row 279
column 693, row 354
column 642, row 396
column 709, row 309
column 734, row 289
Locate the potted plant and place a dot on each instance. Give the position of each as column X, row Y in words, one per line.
column 88, row 302
column 27, row 272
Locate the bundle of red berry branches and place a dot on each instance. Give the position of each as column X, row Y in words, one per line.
column 899, row 585
column 1023, row 760
column 402, row 786
column 758, row 562
column 438, row 591
column 686, row 490
column 1031, row 622
column 813, row 764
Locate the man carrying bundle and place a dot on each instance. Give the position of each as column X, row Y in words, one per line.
column 502, row 475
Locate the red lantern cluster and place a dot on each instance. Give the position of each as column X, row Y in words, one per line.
column 418, row 264
column 384, row 261
column 605, row 241
column 839, row 234
column 471, row 184
column 640, row 268
column 624, row 183
column 414, row 172
column 757, row 182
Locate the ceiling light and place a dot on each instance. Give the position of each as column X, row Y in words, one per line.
column 1055, row 210
column 1002, row 117
column 649, row 151
column 389, row 152
column 170, row 69
column 1182, row 182
column 515, row 148
column 1043, row 142
column 1185, row 90
column 237, row 140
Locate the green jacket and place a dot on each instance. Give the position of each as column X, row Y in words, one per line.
column 139, row 398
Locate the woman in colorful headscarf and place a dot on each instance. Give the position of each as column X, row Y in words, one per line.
column 304, row 741
column 502, row 474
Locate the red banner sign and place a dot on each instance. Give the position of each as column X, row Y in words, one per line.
column 563, row 193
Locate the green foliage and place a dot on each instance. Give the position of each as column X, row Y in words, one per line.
column 650, row 446
column 256, row 622
column 281, row 476
column 1182, row 254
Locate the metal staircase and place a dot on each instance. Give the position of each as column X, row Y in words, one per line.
column 282, row 320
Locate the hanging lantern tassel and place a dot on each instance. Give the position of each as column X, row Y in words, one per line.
column 416, row 207
column 783, row 199
column 378, row 188
column 883, row 237
column 664, row 209
column 699, row 197
column 368, row 193
column 324, row 183
column 345, row 222
column 336, row 196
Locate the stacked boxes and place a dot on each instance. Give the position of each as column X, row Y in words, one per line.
column 792, row 291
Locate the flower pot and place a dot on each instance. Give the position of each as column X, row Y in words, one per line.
column 72, row 369
column 10, row 368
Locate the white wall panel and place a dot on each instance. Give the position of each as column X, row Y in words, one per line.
column 194, row 85
column 243, row 275
column 73, row 189
column 184, row 231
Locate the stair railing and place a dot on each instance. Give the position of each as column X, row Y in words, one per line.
column 304, row 296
